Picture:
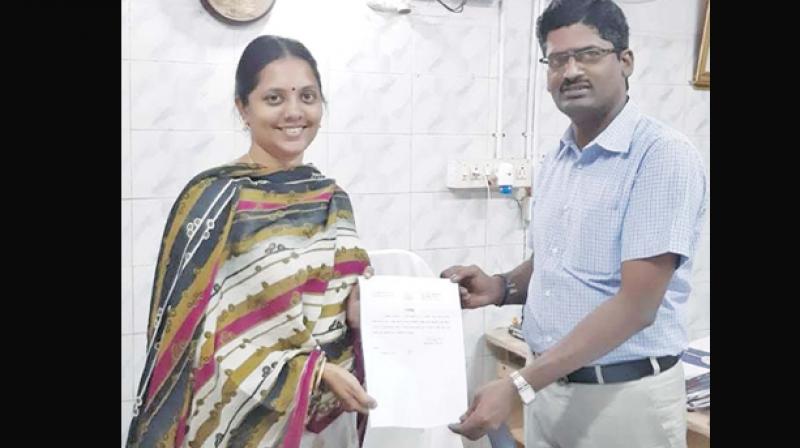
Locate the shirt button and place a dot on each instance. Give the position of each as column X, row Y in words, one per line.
column 549, row 339
column 547, row 293
column 555, row 251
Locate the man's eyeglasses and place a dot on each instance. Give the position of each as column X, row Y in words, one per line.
column 588, row 55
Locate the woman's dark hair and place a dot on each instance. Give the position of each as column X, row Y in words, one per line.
column 263, row 50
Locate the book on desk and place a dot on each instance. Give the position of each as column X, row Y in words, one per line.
column 697, row 373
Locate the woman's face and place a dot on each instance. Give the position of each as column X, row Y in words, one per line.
column 284, row 110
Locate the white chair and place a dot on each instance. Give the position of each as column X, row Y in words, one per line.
column 399, row 262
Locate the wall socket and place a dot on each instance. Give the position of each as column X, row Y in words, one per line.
column 471, row 173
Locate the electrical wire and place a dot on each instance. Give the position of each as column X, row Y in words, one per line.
column 458, row 9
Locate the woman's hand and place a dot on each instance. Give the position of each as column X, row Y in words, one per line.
column 347, row 388
column 353, row 305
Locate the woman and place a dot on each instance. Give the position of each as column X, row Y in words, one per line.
column 249, row 342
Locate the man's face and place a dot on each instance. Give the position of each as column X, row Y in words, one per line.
column 587, row 78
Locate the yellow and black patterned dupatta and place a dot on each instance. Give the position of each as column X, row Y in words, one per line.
column 248, row 303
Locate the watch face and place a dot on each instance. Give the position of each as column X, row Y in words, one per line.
column 527, row 395
column 524, row 389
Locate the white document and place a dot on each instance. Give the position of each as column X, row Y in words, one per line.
column 413, row 351
column 388, row 437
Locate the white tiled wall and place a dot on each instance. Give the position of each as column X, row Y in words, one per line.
column 405, row 94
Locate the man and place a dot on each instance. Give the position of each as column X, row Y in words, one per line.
column 616, row 217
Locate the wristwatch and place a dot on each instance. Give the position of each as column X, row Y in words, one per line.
column 509, row 288
column 526, row 392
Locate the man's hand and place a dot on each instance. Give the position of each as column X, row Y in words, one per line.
column 348, row 389
column 475, row 287
column 491, row 407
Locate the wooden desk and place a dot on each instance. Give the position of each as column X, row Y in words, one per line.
column 510, row 353
column 698, row 429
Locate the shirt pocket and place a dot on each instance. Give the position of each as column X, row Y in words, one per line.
column 594, row 237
